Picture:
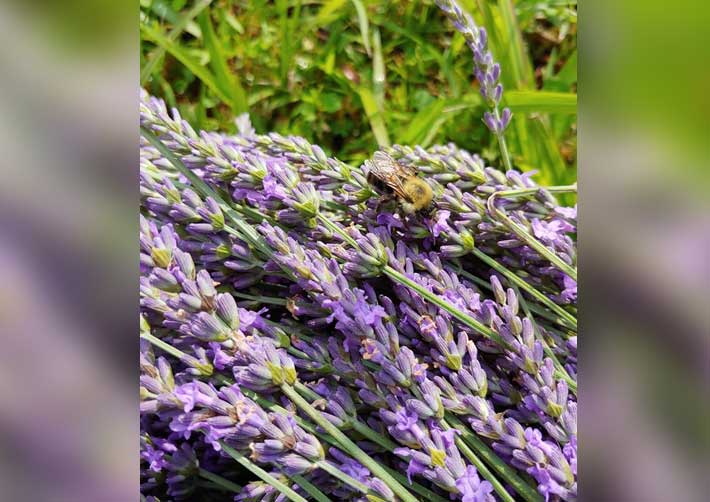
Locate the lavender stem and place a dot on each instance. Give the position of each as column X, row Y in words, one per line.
column 265, row 476
column 525, row 235
column 482, row 469
column 220, row 481
column 312, row 489
column 347, row 444
column 492, row 459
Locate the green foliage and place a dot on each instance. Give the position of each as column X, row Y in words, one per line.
column 355, row 75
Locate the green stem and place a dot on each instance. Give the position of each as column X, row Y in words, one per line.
column 312, row 489
column 164, row 346
column 561, row 371
column 337, row 473
column 401, row 278
column 363, row 429
column 245, row 231
column 346, row 444
column 336, row 229
column 428, row 495
column 512, row 277
column 373, row 435
column 220, row 481
column 506, row 472
column 262, row 299
column 308, row 393
column 482, row 469
column 531, row 191
column 540, row 312
column 461, row 316
column 261, row 473
column 525, row 236
column 505, row 155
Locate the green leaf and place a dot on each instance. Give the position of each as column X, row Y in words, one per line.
column 553, row 165
column 517, row 52
column 541, row 101
column 374, row 115
column 329, row 12
column 179, row 25
column 163, row 10
column 568, row 73
column 364, row 25
column 225, row 79
column 378, row 70
column 331, row 102
column 421, row 123
column 181, row 54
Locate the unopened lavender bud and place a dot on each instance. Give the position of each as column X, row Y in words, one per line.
column 294, row 464
column 498, row 290
column 309, row 450
column 161, row 257
column 207, row 327
column 497, row 93
column 166, row 372
column 227, row 310
column 419, row 408
column 491, row 122
column 206, row 285
column 379, row 486
column 164, row 280
column 528, row 333
column 512, row 301
column 505, row 119
column 185, row 264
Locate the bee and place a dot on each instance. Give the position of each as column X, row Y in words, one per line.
column 393, row 180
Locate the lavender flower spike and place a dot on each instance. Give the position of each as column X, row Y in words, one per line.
column 487, row 71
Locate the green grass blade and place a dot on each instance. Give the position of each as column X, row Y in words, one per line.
column 568, row 73
column 182, row 23
column 364, row 25
column 552, row 163
column 218, row 63
column 330, row 11
column 163, row 10
column 378, row 70
column 375, row 116
column 178, row 52
column 421, row 123
column 541, row 102
column 518, row 54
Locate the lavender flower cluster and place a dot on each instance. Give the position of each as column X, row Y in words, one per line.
column 272, row 270
column 300, row 342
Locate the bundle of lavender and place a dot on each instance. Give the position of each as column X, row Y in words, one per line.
column 400, row 331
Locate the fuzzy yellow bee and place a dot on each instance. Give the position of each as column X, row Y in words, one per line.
column 393, row 180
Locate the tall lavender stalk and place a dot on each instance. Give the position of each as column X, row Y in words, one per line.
column 487, row 72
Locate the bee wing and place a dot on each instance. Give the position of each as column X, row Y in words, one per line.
column 389, row 172
column 385, row 159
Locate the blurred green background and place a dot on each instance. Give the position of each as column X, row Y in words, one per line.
column 354, row 75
